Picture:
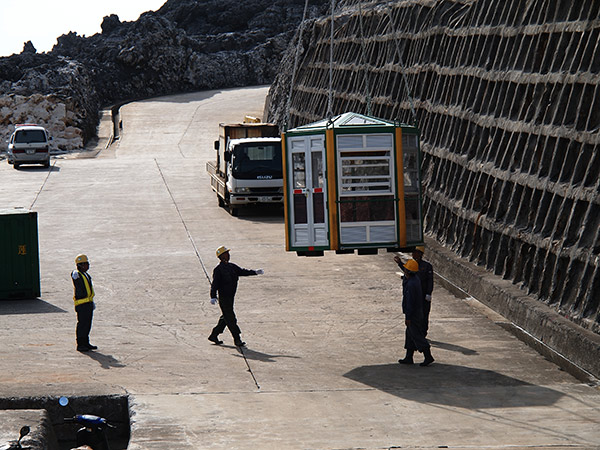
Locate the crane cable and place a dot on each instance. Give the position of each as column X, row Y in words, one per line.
column 296, row 57
column 406, row 85
column 363, row 58
column 330, row 93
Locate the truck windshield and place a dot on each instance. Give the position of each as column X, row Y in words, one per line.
column 257, row 161
column 30, row 137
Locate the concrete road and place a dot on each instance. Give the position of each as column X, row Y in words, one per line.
column 324, row 334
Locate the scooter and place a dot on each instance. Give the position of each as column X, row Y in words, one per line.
column 15, row 445
column 93, row 430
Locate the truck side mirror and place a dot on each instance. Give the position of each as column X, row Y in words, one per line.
column 227, row 156
column 216, row 145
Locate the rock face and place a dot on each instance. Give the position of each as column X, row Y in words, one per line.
column 52, row 91
column 506, row 95
column 187, row 45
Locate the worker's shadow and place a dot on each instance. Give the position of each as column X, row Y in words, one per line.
column 248, row 353
column 455, row 386
column 453, row 348
column 105, row 361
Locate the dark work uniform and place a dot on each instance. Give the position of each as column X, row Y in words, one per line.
column 85, row 310
column 426, row 276
column 225, row 281
column 412, row 307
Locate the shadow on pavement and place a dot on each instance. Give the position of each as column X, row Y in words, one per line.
column 105, row 361
column 264, row 357
column 453, row 348
column 38, row 168
column 29, row 306
column 457, row 386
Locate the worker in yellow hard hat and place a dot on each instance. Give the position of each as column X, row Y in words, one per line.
column 412, row 307
column 83, row 296
column 224, row 284
column 426, row 277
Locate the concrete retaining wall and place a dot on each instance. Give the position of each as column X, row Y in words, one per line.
column 506, row 95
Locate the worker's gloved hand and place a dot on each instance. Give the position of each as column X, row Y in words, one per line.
column 213, row 301
column 259, row 271
column 428, row 297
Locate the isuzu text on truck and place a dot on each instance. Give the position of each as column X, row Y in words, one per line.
column 248, row 169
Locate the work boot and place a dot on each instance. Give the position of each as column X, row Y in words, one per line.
column 428, row 358
column 215, row 339
column 408, row 359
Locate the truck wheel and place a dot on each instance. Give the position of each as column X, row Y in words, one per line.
column 16, row 166
column 233, row 210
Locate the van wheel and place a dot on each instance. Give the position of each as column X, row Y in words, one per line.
column 47, row 165
column 16, row 166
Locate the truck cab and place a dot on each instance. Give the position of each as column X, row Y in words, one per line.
column 256, row 173
column 248, row 169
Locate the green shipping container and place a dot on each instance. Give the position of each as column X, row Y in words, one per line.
column 19, row 254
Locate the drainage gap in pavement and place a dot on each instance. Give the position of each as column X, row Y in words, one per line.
column 114, row 408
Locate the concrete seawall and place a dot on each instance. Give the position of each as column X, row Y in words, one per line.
column 505, row 95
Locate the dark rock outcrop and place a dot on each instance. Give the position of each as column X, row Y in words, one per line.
column 187, row 45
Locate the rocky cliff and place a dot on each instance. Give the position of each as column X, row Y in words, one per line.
column 187, row 45
column 507, row 97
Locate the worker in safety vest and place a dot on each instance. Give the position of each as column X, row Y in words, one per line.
column 225, row 280
column 83, row 297
column 412, row 307
column 426, row 276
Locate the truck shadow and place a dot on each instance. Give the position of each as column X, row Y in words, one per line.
column 455, row 386
column 261, row 214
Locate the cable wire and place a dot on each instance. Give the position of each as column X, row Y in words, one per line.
column 330, row 93
column 406, row 85
column 363, row 58
column 183, row 222
column 296, row 57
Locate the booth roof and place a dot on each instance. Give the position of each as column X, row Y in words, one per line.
column 349, row 119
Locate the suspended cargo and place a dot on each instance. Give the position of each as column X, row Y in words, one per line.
column 352, row 183
column 20, row 269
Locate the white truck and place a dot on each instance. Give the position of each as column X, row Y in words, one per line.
column 248, row 169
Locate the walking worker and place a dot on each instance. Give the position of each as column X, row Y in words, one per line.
column 83, row 297
column 426, row 277
column 412, row 307
column 225, row 281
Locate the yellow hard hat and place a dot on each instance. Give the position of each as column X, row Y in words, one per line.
column 420, row 248
column 81, row 259
column 412, row 265
column 222, row 249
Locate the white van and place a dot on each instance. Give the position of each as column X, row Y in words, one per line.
column 29, row 144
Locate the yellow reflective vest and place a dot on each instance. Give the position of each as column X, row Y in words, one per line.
column 89, row 289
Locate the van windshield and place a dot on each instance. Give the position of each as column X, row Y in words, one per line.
column 257, row 161
column 30, row 137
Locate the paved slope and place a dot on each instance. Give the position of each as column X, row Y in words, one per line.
column 323, row 334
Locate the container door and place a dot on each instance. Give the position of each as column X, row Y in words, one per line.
column 308, row 192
